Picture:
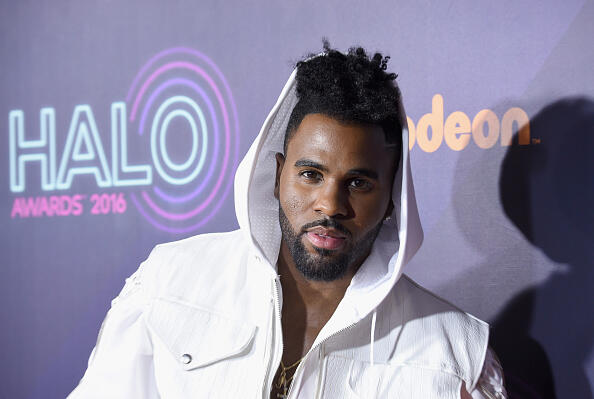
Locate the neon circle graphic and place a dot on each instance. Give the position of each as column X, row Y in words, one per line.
column 163, row 132
column 183, row 85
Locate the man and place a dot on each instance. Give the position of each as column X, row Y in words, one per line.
column 307, row 299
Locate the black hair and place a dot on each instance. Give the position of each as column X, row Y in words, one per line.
column 351, row 88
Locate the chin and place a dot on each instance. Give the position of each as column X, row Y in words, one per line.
column 322, row 264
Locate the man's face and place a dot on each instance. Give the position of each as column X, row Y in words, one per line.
column 334, row 188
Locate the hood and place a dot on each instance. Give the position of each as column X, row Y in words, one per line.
column 257, row 214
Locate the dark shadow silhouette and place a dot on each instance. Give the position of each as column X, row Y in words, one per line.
column 547, row 191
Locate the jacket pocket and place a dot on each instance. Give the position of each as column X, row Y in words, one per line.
column 355, row 379
column 351, row 379
column 198, row 337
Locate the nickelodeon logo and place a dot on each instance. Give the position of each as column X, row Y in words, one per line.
column 457, row 130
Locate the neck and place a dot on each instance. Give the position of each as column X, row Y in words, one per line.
column 312, row 294
column 307, row 305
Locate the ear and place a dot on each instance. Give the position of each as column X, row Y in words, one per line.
column 280, row 162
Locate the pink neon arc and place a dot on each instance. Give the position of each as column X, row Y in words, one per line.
column 187, row 215
column 173, row 65
column 173, row 50
column 203, row 74
column 198, row 54
column 164, row 68
column 179, row 230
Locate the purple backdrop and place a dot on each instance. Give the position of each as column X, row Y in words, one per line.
column 123, row 123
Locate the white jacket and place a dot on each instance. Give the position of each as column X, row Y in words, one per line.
column 201, row 317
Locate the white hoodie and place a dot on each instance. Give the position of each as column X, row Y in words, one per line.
column 201, row 316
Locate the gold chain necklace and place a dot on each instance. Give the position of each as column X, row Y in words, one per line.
column 283, row 382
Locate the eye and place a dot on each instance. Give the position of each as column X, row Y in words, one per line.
column 360, row 184
column 311, row 175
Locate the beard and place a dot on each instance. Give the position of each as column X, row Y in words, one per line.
column 325, row 264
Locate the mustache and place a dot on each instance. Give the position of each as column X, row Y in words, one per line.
column 328, row 223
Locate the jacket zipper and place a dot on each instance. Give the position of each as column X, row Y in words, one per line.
column 271, row 362
column 318, row 389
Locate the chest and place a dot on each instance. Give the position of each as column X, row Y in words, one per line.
column 200, row 354
column 351, row 378
column 232, row 347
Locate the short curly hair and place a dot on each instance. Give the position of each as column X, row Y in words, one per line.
column 351, row 88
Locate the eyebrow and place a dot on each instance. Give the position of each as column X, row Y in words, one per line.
column 308, row 163
column 364, row 172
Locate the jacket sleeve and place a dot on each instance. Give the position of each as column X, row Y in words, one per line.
column 490, row 384
column 121, row 364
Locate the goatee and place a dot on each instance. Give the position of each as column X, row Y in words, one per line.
column 325, row 265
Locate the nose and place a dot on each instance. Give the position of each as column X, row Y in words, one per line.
column 332, row 200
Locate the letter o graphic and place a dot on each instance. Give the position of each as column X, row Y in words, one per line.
column 159, row 146
column 488, row 117
column 194, row 178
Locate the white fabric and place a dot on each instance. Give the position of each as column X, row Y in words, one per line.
column 490, row 384
column 201, row 316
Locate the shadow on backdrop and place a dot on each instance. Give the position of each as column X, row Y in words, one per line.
column 547, row 191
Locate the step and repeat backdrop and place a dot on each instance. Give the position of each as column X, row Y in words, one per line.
column 123, row 123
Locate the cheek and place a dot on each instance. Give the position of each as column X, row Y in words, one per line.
column 370, row 211
column 292, row 199
column 292, row 204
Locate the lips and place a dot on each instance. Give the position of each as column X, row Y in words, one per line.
column 326, row 238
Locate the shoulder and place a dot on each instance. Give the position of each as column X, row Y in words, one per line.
column 177, row 265
column 214, row 243
column 442, row 335
column 197, row 249
column 419, row 302
column 205, row 285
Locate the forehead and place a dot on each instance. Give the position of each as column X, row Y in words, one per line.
column 335, row 142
